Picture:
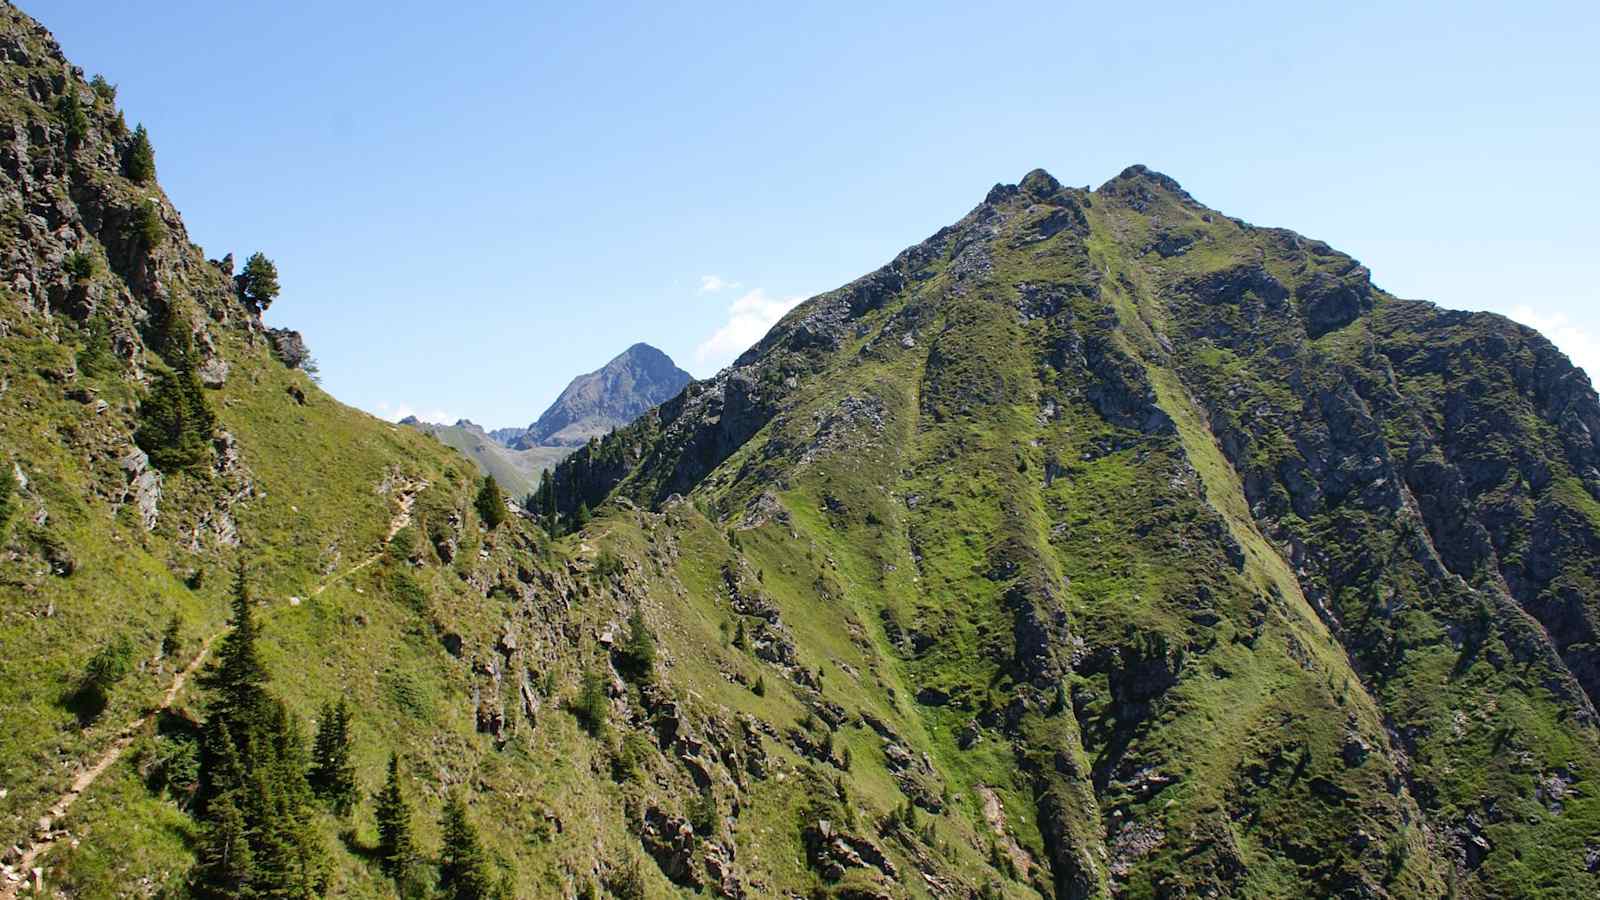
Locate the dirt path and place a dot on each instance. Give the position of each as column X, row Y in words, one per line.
column 15, row 876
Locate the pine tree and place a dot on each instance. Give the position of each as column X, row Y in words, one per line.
column 581, row 517
column 175, row 420
column 238, row 681
column 140, row 163
column 638, row 654
column 103, row 89
column 258, row 283
column 73, row 117
column 225, row 864
column 97, row 358
column 333, row 775
column 543, row 502
column 464, row 870
column 397, row 848
column 147, row 225
column 253, row 771
column 491, row 503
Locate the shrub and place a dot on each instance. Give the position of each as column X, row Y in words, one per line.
column 629, row 757
column 607, row 564
column 702, row 813
column 79, row 265
column 760, row 687
column 408, row 593
column 626, row 882
column 109, row 666
column 172, row 638
column 140, row 163
column 403, row 545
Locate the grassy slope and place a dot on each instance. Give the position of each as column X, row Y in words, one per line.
column 516, row 470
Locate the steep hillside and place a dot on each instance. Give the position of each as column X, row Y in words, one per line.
column 1227, row 571
column 609, row 397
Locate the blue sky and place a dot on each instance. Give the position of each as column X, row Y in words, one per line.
column 469, row 204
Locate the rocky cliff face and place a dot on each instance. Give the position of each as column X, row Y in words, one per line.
column 1255, row 570
column 607, row 398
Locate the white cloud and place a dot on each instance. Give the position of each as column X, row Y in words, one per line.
column 749, row 317
column 396, row 412
column 710, row 284
column 1575, row 341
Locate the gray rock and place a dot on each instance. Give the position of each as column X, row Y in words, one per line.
column 213, row 372
column 288, row 346
column 144, row 486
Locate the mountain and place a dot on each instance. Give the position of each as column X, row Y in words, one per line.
column 1099, row 546
column 505, row 437
column 592, row 405
column 516, row 470
column 1230, row 573
column 609, row 397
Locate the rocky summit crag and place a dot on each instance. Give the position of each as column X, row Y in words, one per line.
column 609, row 397
column 1098, row 546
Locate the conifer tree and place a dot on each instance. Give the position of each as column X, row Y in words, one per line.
column 258, row 283
column 225, row 864
column 464, row 869
column 544, row 501
column 238, row 681
column 638, row 654
column 333, row 775
column 397, row 848
column 581, row 517
column 175, row 420
column 73, row 117
column 253, row 778
column 491, row 503
column 140, row 164
column 147, row 225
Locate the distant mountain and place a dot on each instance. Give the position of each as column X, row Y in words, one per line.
column 607, row 398
column 505, row 437
column 591, row 406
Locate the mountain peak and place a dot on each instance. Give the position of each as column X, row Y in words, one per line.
column 611, row 396
column 1139, row 179
column 1039, row 183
